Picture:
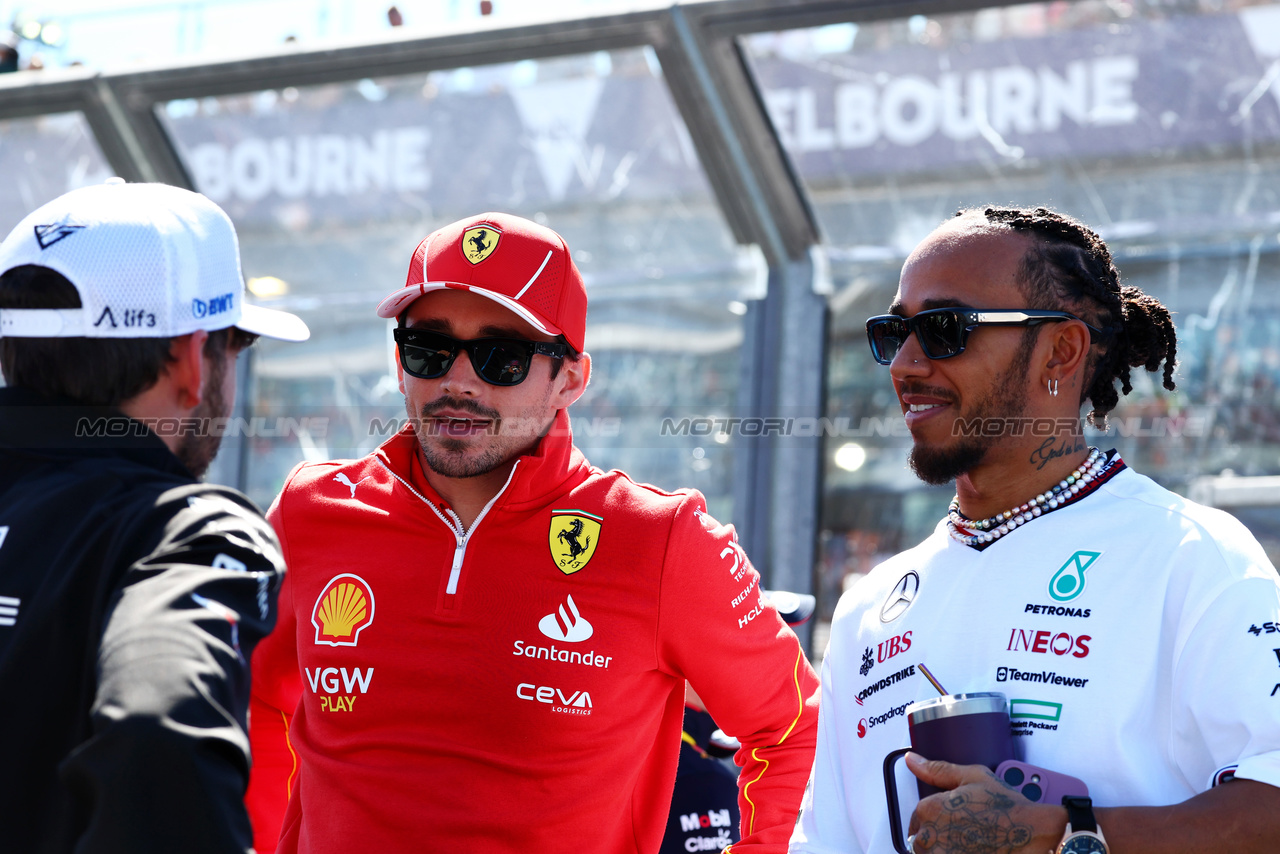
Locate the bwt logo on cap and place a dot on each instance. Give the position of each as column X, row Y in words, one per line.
column 343, row 609
column 216, row 305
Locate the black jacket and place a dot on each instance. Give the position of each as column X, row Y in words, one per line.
column 131, row 598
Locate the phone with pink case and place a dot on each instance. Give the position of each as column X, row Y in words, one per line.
column 1040, row 784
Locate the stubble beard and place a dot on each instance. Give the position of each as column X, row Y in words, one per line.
column 197, row 452
column 449, row 458
column 453, row 457
column 940, row 464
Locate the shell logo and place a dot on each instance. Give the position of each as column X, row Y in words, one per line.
column 343, row 609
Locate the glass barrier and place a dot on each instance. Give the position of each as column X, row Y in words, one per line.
column 1159, row 125
column 40, row 159
column 332, row 187
column 43, row 157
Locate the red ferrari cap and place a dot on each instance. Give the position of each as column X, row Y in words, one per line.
column 522, row 265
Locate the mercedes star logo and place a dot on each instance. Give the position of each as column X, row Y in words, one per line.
column 900, row 598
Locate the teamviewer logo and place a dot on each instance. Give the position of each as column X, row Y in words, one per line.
column 1002, row 674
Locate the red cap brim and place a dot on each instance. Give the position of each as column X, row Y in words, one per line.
column 402, row 298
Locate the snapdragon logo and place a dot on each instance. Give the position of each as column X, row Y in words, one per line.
column 871, row 723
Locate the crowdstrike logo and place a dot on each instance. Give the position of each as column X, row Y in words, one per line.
column 566, row 625
column 891, row 679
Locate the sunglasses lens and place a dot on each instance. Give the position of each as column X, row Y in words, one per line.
column 941, row 334
column 428, row 356
column 886, row 336
column 501, row 361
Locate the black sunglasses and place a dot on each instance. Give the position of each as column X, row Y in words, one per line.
column 943, row 332
column 498, row 361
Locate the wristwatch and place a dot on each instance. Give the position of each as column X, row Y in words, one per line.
column 1083, row 835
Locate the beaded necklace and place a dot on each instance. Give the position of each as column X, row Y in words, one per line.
column 970, row 532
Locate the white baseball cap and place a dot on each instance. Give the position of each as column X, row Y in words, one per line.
column 149, row 261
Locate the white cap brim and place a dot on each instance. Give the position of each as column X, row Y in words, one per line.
column 393, row 305
column 272, row 323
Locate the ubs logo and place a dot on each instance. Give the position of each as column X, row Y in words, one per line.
column 900, row 598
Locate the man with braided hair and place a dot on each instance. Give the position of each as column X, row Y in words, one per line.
column 1128, row 627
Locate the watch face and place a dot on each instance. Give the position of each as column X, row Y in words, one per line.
column 1084, row 845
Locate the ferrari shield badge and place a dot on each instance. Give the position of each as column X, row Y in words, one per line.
column 573, row 538
column 479, row 242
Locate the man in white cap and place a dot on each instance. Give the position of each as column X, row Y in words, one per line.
column 131, row 594
column 484, row 641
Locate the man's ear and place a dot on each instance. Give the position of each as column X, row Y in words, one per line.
column 185, row 373
column 574, row 376
column 1069, row 351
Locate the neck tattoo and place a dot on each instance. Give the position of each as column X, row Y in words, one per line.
column 970, row 532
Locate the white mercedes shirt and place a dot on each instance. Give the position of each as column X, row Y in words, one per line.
column 1136, row 635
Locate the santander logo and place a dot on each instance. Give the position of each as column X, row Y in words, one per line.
column 566, row 625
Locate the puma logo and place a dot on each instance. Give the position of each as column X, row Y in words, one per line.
column 342, row 478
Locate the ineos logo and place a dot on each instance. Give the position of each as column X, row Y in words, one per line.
column 1030, row 640
column 900, row 598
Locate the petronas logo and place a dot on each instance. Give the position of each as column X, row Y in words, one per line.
column 1068, row 582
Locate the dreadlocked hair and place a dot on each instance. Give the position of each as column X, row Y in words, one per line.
column 1070, row 268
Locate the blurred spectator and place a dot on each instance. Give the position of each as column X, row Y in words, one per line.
column 8, row 52
column 36, row 63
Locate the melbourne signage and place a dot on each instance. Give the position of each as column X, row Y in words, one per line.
column 1182, row 83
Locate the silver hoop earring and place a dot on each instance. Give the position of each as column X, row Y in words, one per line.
column 1052, row 385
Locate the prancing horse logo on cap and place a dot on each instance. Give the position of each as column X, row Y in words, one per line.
column 479, row 242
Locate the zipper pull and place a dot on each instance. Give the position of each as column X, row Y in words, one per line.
column 456, row 571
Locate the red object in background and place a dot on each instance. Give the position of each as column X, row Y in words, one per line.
column 486, row 7
column 394, row 17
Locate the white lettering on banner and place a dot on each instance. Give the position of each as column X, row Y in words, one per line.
column 721, row 841
column 328, row 678
column 910, row 109
column 317, row 165
column 712, row 818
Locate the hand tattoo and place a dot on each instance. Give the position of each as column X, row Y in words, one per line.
column 973, row 821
